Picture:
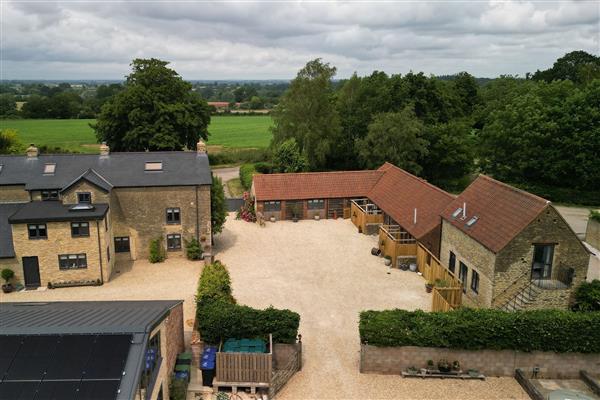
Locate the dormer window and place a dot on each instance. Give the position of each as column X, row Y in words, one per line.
column 84, row 197
column 49, row 168
column 153, row 166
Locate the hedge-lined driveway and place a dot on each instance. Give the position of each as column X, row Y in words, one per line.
column 324, row 271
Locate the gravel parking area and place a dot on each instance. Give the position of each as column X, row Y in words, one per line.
column 324, row 270
column 175, row 279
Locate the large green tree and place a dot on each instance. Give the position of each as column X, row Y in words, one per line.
column 396, row 138
column 157, row 110
column 576, row 66
column 306, row 112
column 287, row 157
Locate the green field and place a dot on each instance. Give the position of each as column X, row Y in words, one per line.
column 76, row 134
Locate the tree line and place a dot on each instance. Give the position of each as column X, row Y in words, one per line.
column 541, row 132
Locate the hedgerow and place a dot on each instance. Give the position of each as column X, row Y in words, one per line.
column 219, row 318
column 475, row 329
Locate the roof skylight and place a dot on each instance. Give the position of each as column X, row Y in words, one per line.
column 457, row 212
column 81, row 207
column 1, row 166
column 153, row 166
column 49, row 168
column 472, row 221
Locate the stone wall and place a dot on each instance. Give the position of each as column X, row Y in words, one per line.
column 13, row 193
column 140, row 213
column 592, row 233
column 395, row 360
column 476, row 257
column 59, row 241
column 98, row 195
column 513, row 262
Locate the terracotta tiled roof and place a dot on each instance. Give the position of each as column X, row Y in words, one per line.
column 398, row 193
column 502, row 211
column 314, row 185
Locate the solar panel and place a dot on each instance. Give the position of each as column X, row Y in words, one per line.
column 10, row 346
column 71, row 356
column 108, row 357
column 33, row 357
column 17, row 390
column 58, row 390
column 98, row 390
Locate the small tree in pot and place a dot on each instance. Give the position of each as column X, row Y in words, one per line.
column 7, row 275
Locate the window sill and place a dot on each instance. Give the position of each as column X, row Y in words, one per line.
column 79, row 236
column 38, row 238
column 71, row 269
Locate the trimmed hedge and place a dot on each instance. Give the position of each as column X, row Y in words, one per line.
column 476, row 329
column 247, row 171
column 219, row 318
column 263, row 167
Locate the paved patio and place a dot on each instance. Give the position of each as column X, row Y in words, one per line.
column 324, row 270
column 175, row 279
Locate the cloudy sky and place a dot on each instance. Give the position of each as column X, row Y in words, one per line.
column 273, row 39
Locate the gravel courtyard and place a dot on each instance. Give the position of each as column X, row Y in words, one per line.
column 175, row 279
column 324, row 270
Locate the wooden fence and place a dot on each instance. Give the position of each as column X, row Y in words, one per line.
column 361, row 215
column 244, row 368
column 448, row 296
column 393, row 247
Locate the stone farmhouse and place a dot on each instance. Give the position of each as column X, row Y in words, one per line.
column 493, row 245
column 68, row 219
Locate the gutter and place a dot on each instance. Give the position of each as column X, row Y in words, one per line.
column 99, row 252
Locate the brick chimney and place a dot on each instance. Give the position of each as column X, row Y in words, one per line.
column 201, row 147
column 32, row 151
column 104, row 149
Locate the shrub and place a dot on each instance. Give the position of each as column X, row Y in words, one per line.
column 7, row 274
column 220, row 318
column 247, row 211
column 218, row 205
column 475, row 329
column 178, row 389
column 595, row 215
column 157, row 252
column 587, row 296
column 214, row 285
column 193, row 251
column 263, row 167
column 247, row 171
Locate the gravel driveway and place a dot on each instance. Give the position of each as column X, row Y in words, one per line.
column 324, row 270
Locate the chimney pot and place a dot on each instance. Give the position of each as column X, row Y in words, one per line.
column 104, row 149
column 201, row 147
column 32, row 151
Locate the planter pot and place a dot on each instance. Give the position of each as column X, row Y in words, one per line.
column 295, row 219
column 272, row 219
column 7, row 288
column 413, row 267
column 317, row 217
column 387, row 262
column 428, row 288
column 444, row 369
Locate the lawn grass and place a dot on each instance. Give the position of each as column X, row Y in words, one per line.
column 235, row 187
column 76, row 134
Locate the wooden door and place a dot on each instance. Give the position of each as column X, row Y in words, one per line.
column 31, row 272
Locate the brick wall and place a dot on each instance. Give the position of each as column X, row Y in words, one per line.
column 395, row 360
column 13, row 193
column 592, row 233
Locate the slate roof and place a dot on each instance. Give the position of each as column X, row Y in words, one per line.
column 92, row 177
column 398, row 193
column 51, row 211
column 82, row 317
column 314, row 185
column 502, row 210
column 180, row 168
column 6, row 241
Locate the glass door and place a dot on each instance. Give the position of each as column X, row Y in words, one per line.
column 542, row 261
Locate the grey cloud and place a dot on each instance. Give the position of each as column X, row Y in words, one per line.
column 273, row 40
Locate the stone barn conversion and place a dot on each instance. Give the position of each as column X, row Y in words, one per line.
column 66, row 219
column 510, row 248
column 492, row 246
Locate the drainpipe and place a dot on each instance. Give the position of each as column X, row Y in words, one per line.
column 100, row 252
column 197, row 218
